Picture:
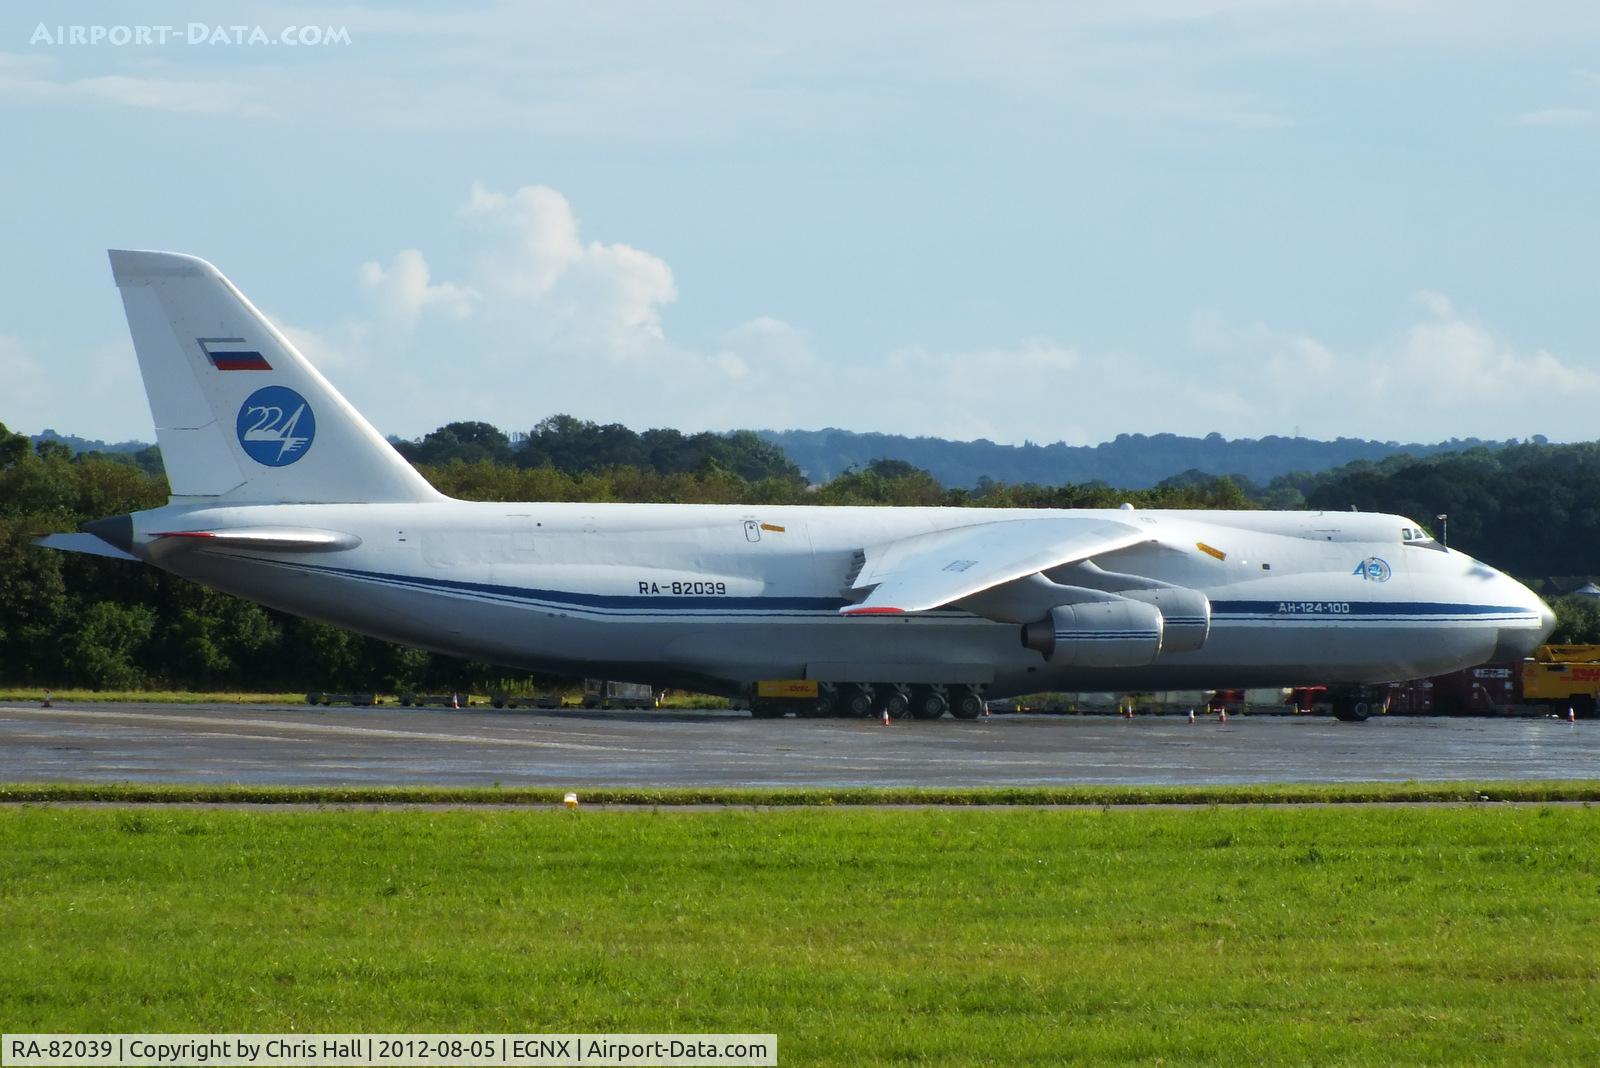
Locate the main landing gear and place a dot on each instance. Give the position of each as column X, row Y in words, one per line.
column 859, row 700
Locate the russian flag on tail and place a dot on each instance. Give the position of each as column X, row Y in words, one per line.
column 232, row 354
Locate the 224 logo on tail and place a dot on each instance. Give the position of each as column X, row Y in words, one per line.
column 276, row 426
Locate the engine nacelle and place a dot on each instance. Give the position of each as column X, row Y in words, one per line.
column 1185, row 616
column 1113, row 633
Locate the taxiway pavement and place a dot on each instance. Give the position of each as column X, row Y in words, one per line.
column 305, row 746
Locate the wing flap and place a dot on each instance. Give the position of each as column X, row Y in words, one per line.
column 925, row 571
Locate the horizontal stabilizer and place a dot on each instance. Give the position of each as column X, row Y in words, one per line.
column 83, row 543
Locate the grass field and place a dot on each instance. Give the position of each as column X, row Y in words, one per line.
column 1577, row 790
column 1218, row 934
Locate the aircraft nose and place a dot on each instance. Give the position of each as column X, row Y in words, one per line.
column 1520, row 640
column 1547, row 621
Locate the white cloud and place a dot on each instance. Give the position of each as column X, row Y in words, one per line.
column 1445, row 376
column 606, row 297
column 1454, row 365
column 404, row 289
column 102, row 378
column 341, row 348
column 561, row 322
column 769, row 345
column 1559, row 117
column 27, row 389
column 34, row 77
column 159, row 94
column 548, row 320
column 1437, row 304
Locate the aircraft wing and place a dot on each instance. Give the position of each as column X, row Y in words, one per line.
column 925, row 571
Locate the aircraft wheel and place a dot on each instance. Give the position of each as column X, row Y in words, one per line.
column 313, row 698
column 760, row 709
column 897, row 704
column 928, row 704
column 1354, row 705
column 967, row 704
column 856, row 701
column 828, row 703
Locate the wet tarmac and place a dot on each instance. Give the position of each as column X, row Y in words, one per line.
column 299, row 745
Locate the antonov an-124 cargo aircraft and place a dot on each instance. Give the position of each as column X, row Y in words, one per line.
column 282, row 493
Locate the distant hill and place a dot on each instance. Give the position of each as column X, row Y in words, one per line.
column 1130, row 461
column 77, row 444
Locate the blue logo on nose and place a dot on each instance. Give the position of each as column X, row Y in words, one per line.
column 1374, row 569
column 275, row 426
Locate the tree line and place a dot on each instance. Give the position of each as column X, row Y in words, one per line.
column 1126, row 460
column 69, row 619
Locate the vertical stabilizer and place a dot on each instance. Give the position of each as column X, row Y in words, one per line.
column 240, row 415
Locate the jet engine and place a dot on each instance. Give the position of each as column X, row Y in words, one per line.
column 1111, row 633
column 1185, row 616
column 1186, row 613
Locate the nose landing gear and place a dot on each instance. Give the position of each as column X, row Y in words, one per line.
column 1355, row 704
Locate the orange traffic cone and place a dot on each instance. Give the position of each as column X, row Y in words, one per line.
column 455, row 700
column 1572, row 714
column 886, row 716
column 1191, row 717
column 1224, row 717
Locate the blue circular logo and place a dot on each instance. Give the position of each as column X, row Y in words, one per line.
column 276, row 426
column 1374, row 569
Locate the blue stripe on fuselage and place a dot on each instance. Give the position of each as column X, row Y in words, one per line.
column 1235, row 611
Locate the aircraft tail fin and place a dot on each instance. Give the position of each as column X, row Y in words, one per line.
column 240, row 415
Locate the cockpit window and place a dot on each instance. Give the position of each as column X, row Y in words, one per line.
column 1406, row 534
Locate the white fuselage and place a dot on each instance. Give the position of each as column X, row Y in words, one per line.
column 719, row 596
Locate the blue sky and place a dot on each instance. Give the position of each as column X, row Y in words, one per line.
column 1016, row 221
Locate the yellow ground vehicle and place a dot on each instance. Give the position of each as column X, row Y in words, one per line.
column 1562, row 677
